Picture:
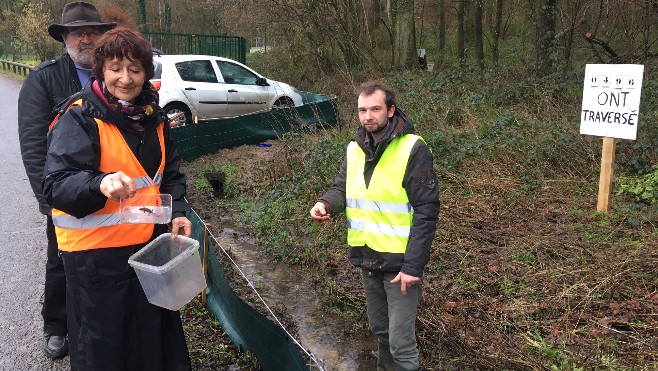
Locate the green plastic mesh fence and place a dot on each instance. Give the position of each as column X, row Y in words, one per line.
column 246, row 327
column 208, row 137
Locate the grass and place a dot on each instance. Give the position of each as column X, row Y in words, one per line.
column 209, row 346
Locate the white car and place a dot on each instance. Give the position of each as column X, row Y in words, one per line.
column 204, row 87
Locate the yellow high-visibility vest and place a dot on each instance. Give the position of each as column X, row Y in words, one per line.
column 101, row 229
column 380, row 215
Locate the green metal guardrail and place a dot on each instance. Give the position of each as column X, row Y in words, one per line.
column 232, row 47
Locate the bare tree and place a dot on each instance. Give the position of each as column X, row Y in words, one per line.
column 442, row 29
column 119, row 16
column 141, row 7
column 405, row 34
column 479, row 37
column 498, row 20
column 461, row 32
column 546, row 34
column 572, row 16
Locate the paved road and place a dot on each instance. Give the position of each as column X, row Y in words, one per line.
column 22, row 251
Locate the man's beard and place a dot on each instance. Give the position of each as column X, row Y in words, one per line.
column 82, row 55
column 381, row 126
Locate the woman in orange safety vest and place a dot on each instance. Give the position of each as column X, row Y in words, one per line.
column 114, row 142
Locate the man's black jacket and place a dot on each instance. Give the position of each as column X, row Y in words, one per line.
column 47, row 86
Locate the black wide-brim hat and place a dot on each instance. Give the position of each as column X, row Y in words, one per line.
column 78, row 14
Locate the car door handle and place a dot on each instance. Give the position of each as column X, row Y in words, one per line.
column 190, row 88
column 232, row 91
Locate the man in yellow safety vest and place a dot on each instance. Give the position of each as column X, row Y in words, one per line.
column 389, row 191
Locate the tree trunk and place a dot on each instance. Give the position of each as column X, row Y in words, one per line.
column 352, row 32
column 479, row 40
column 546, row 33
column 141, row 9
column 370, row 9
column 390, row 4
column 461, row 33
column 167, row 16
column 577, row 15
column 495, row 51
column 442, row 29
column 405, row 34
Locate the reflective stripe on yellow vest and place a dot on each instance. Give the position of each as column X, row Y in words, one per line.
column 102, row 229
column 379, row 216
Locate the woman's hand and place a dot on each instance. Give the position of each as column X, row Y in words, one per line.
column 118, row 185
column 182, row 225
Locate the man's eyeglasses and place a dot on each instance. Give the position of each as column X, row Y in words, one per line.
column 78, row 34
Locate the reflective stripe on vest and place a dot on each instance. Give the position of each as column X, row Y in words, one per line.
column 378, row 206
column 97, row 220
column 392, row 230
column 379, row 216
column 102, row 228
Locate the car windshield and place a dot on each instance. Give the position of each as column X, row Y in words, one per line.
column 234, row 74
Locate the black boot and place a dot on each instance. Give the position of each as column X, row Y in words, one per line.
column 55, row 346
column 385, row 361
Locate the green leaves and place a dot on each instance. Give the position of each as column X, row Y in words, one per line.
column 643, row 189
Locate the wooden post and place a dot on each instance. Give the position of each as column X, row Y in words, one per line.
column 205, row 261
column 607, row 174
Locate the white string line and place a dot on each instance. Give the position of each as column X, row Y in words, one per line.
column 309, row 354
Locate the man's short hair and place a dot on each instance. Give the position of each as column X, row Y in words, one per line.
column 370, row 87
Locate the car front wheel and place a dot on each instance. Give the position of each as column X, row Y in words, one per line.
column 283, row 102
column 178, row 114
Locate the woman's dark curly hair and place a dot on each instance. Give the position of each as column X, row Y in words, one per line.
column 122, row 42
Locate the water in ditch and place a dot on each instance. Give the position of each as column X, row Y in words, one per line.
column 318, row 330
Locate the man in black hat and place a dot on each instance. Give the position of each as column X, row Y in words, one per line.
column 45, row 88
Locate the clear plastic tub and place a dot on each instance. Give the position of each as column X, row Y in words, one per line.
column 149, row 209
column 169, row 271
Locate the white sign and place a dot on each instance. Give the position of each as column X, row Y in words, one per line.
column 611, row 100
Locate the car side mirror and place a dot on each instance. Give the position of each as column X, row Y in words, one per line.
column 261, row 81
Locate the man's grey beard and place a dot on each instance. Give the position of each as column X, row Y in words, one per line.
column 83, row 58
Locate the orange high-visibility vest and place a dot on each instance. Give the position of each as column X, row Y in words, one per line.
column 78, row 102
column 101, row 229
